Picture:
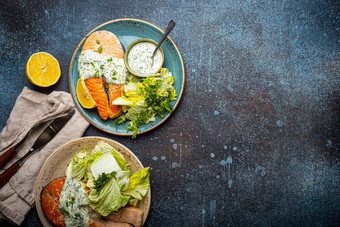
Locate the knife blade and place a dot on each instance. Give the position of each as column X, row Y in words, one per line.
column 47, row 135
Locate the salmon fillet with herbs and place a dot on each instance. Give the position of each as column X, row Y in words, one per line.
column 50, row 201
column 97, row 91
column 104, row 42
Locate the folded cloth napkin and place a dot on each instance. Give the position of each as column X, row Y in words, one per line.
column 31, row 109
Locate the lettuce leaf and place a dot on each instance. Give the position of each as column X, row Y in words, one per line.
column 111, row 160
column 102, row 147
column 106, row 148
column 120, row 120
column 78, row 166
column 105, row 191
column 143, row 98
column 134, row 112
column 139, row 184
column 108, row 199
column 110, row 185
column 123, row 178
column 102, row 179
column 105, row 164
column 121, row 161
column 121, row 101
column 142, row 117
column 162, row 72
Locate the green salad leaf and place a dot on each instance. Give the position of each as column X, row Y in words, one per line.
column 108, row 198
column 102, row 179
column 105, row 148
column 120, row 160
column 106, row 188
column 120, row 120
column 123, row 178
column 144, row 98
column 135, row 123
column 139, row 184
column 79, row 163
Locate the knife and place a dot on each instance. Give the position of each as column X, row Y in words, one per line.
column 46, row 136
column 13, row 150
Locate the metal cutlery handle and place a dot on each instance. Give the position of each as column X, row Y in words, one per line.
column 8, row 173
column 171, row 25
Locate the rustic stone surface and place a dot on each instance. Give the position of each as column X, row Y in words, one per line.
column 255, row 140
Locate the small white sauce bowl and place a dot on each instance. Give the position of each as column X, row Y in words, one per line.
column 128, row 50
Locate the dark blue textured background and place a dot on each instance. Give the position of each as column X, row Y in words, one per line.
column 255, row 140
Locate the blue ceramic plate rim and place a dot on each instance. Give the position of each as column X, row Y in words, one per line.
column 145, row 127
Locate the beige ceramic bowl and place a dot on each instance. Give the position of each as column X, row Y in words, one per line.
column 56, row 164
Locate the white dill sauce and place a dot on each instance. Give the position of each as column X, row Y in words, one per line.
column 139, row 58
column 92, row 64
column 73, row 203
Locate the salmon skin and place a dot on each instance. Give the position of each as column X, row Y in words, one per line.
column 107, row 43
column 50, row 201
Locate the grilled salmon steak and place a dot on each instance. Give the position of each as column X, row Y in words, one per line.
column 50, row 201
column 97, row 91
column 107, row 43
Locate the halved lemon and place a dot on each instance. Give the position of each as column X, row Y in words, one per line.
column 42, row 69
column 84, row 95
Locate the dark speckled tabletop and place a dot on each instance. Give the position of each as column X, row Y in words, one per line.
column 255, row 140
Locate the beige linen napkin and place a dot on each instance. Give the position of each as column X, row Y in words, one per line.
column 30, row 109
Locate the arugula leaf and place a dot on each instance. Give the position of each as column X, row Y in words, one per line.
column 102, row 180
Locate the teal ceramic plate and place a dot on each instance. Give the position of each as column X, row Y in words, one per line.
column 129, row 30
